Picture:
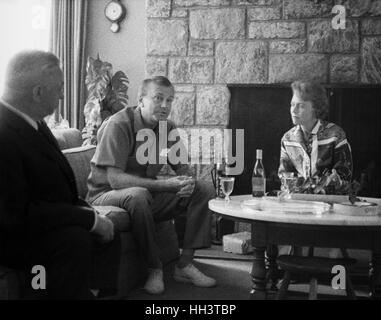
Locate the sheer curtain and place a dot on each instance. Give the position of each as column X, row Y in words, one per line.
column 24, row 24
column 68, row 37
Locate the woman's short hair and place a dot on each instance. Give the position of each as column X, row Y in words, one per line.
column 158, row 80
column 314, row 92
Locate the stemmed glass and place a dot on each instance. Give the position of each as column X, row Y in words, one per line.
column 227, row 185
column 287, row 181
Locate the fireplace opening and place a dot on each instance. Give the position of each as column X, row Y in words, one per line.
column 263, row 111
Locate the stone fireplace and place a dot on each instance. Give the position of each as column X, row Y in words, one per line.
column 203, row 46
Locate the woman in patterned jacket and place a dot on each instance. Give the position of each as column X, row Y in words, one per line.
column 313, row 145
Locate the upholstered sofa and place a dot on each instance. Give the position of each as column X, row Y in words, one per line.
column 132, row 269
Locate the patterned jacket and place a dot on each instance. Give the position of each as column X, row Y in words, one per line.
column 327, row 148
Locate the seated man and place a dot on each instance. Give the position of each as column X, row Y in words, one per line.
column 42, row 220
column 119, row 178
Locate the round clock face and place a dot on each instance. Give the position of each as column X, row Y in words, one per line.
column 114, row 11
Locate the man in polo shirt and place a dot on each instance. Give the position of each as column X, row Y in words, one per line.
column 119, row 178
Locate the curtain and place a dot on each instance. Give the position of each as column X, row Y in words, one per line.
column 67, row 41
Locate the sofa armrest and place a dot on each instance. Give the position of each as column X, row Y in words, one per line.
column 79, row 160
column 68, row 138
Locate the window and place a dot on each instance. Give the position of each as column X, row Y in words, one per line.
column 24, row 24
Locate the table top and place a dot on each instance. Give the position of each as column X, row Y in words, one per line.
column 235, row 210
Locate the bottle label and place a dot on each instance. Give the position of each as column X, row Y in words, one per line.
column 259, row 186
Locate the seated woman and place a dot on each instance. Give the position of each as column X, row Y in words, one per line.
column 314, row 147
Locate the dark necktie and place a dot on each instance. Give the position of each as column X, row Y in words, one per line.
column 45, row 132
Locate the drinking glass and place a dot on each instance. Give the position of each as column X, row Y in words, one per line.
column 227, row 185
column 287, row 180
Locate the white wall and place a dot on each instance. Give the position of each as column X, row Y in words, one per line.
column 125, row 50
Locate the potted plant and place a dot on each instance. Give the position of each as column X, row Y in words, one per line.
column 107, row 94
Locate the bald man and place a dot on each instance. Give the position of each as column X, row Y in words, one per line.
column 42, row 220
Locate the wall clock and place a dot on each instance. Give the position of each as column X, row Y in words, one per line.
column 115, row 12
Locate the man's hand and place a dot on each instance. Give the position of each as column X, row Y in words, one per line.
column 187, row 190
column 104, row 228
column 176, row 184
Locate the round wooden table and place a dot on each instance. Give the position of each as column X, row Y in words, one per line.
column 330, row 230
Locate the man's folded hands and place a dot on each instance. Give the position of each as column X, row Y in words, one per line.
column 187, row 187
column 183, row 186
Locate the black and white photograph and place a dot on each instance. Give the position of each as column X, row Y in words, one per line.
column 189, row 157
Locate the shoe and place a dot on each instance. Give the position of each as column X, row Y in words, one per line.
column 191, row 274
column 154, row 283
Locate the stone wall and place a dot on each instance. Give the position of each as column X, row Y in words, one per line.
column 203, row 45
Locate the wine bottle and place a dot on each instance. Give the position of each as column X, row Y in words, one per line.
column 258, row 179
column 220, row 173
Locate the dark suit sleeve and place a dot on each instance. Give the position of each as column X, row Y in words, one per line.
column 20, row 213
column 45, row 216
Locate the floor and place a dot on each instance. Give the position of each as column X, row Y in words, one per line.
column 232, row 273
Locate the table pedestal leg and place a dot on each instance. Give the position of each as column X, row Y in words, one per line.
column 272, row 267
column 258, row 274
column 375, row 276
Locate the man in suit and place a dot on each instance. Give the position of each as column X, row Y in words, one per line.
column 42, row 220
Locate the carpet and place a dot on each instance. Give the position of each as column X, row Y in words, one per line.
column 233, row 278
column 232, row 273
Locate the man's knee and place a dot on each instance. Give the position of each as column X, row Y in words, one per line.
column 137, row 197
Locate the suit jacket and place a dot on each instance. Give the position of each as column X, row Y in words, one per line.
column 37, row 186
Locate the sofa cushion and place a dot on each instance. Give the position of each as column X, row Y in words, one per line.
column 68, row 138
column 79, row 159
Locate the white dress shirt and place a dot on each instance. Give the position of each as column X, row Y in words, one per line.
column 21, row 114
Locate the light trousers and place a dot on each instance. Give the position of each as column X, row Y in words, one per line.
column 147, row 208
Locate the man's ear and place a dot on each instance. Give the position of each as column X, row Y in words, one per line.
column 37, row 93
